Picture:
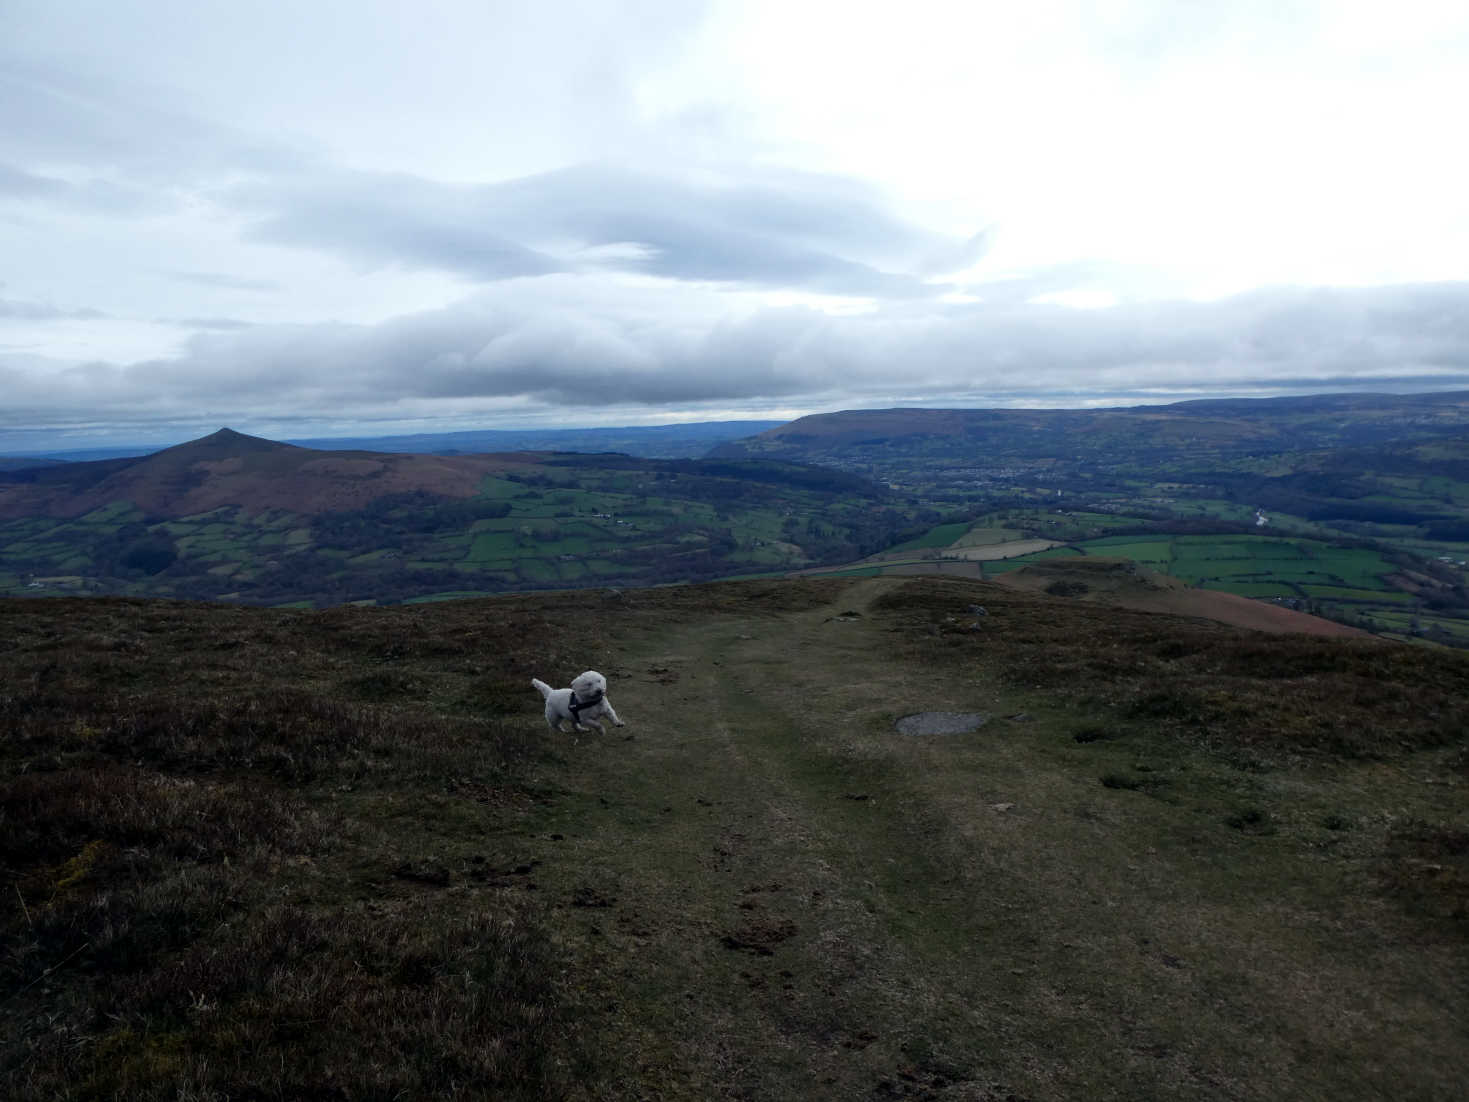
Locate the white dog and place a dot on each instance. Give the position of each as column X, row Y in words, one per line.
column 582, row 703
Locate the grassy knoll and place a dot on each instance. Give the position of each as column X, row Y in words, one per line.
column 270, row 853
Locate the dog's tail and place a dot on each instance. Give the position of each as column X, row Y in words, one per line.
column 545, row 689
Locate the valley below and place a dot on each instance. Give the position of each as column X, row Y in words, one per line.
column 1349, row 509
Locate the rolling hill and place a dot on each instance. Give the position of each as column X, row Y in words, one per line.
column 229, row 468
column 1183, row 431
column 237, row 517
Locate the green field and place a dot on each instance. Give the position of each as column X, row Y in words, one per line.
column 1345, row 582
column 559, row 525
column 1000, row 566
column 942, row 535
column 1236, row 562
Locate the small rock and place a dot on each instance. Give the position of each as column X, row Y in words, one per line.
column 1001, row 807
column 978, row 610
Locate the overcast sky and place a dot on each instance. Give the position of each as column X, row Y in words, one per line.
column 327, row 217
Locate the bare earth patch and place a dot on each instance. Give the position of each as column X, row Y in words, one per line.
column 941, row 723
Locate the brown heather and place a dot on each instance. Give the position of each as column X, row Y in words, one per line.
column 252, row 854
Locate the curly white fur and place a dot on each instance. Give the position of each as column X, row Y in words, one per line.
column 583, row 703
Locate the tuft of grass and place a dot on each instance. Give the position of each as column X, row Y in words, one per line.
column 1425, row 867
column 1251, row 820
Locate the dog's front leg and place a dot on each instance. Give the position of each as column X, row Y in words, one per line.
column 607, row 710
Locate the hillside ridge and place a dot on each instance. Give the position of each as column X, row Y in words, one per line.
column 229, row 468
column 1228, row 424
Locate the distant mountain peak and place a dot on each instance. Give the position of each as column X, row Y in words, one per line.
column 228, row 441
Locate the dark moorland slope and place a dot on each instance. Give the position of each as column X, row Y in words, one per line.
column 269, row 853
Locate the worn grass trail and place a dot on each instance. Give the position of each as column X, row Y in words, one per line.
column 767, row 892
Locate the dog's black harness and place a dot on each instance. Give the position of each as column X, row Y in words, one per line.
column 577, row 705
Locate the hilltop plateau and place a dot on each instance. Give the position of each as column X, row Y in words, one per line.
column 266, row 853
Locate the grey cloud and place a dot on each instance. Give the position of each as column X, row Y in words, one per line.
column 18, row 183
column 223, row 281
column 394, row 219
column 462, row 364
column 17, row 310
column 957, row 257
column 225, row 324
column 53, row 112
column 786, row 230
column 92, row 196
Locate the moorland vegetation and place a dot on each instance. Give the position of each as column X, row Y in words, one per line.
column 275, row 853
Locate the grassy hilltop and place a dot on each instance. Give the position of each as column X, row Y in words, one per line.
column 270, row 853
